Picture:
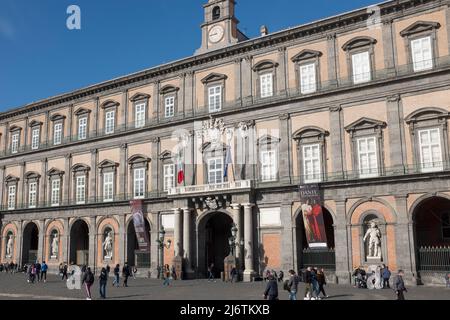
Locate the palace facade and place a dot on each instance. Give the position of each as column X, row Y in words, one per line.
column 358, row 103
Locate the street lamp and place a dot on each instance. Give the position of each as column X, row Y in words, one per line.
column 161, row 246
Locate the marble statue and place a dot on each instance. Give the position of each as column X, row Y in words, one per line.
column 374, row 236
column 55, row 245
column 9, row 246
column 108, row 245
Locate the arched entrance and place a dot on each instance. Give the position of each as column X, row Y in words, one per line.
column 79, row 243
column 135, row 257
column 214, row 232
column 30, row 243
column 432, row 235
column 320, row 258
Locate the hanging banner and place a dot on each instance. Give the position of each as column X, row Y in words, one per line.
column 312, row 201
column 139, row 225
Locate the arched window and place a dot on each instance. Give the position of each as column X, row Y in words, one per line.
column 216, row 13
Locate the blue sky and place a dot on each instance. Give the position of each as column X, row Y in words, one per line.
column 40, row 57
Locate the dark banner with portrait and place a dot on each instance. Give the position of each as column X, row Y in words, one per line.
column 139, row 225
column 311, row 205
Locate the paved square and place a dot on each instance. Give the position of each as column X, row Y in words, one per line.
column 16, row 287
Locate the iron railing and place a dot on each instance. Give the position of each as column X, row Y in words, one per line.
column 323, row 258
column 434, row 259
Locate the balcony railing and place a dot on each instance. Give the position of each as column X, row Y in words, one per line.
column 199, row 111
column 226, row 186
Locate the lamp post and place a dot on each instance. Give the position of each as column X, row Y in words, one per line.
column 161, row 246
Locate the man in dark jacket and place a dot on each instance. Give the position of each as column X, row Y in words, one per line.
column 308, row 282
column 399, row 285
column 293, row 285
column 103, row 279
column 38, row 271
column 88, row 281
column 126, row 272
column 271, row 292
column 386, row 276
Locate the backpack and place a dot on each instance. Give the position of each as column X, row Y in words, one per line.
column 286, row 285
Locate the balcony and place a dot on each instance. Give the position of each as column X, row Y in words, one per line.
column 207, row 188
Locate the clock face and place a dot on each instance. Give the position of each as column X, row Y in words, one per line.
column 216, row 34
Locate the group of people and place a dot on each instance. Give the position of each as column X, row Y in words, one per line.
column 360, row 277
column 37, row 271
column 279, row 277
column 9, row 267
column 314, row 280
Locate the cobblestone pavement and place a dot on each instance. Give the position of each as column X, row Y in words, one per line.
column 13, row 287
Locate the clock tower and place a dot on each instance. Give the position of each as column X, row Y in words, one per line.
column 220, row 27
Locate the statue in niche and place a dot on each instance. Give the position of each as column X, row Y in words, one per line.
column 108, row 245
column 373, row 235
column 55, row 245
column 9, row 246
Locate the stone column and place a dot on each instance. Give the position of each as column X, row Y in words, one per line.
column 237, row 219
column 388, row 46
column 21, row 187
column 25, row 133
column 92, row 243
column 238, row 82
column 122, row 239
column 7, row 142
column 181, row 97
column 247, row 84
column 154, row 248
column 189, row 94
column 43, row 182
column 41, row 243
column 156, row 86
column 336, row 141
column 178, row 233
column 404, row 241
column 95, row 117
column 93, row 177
column 2, row 187
column 67, row 179
column 155, row 164
column 19, row 243
column 281, row 74
column 124, row 109
column 251, row 154
column 332, row 61
column 187, row 243
column 69, row 136
column 396, row 141
column 343, row 247
column 65, row 241
column 447, row 18
column 248, row 240
column 287, row 246
column 284, row 165
column 123, row 169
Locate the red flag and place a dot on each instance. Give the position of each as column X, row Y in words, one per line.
column 180, row 167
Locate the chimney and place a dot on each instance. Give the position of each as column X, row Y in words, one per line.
column 264, row 31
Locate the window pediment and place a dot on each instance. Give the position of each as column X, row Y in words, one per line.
column 139, row 97
column 32, row 175
column 57, row 117
column 11, row 179
column 15, row 128
column 310, row 132
column 420, row 26
column 365, row 123
column 306, row 55
column 35, row 123
column 138, row 158
column 82, row 111
column 55, row 172
column 358, row 42
column 110, row 104
column 79, row 167
column 168, row 89
column 425, row 114
column 268, row 139
column 211, row 147
column 214, row 77
column 165, row 155
column 264, row 65
column 107, row 164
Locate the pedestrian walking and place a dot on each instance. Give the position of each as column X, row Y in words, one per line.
column 103, row 280
column 322, row 281
column 386, row 275
column 88, row 281
column 267, row 274
column 167, row 275
column 135, row 270
column 44, row 269
column 64, row 271
column 211, row 273
column 108, row 269
column 38, row 271
column 315, row 284
column 292, row 285
column 271, row 292
column 126, row 272
column 280, row 276
column 116, row 280
column 308, row 283
column 399, row 285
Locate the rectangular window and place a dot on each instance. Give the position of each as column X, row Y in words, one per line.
column 109, row 121
column 312, row 163
column 139, row 183
column 422, row 54
column 430, row 150
column 139, row 120
column 266, row 81
column 80, row 195
column 215, row 170
column 215, row 98
column 32, row 193
column 308, row 82
column 11, row 197
column 169, row 107
column 361, row 67
column 108, row 186
column 268, row 166
column 367, row 157
column 35, row 139
column 15, row 143
column 57, row 134
column 56, row 184
column 169, row 176
column 82, row 128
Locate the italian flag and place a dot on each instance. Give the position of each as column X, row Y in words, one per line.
column 180, row 170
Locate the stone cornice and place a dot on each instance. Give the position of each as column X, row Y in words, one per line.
column 326, row 26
